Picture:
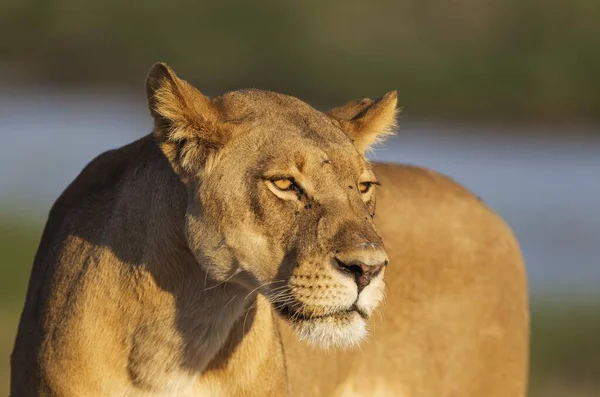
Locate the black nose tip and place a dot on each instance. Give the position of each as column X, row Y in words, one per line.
column 362, row 273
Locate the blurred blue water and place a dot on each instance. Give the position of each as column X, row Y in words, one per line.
column 545, row 183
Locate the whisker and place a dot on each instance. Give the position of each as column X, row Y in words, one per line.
column 230, row 300
column 206, row 275
column 222, row 282
column 279, row 288
column 263, row 285
column 246, row 316
column 281, row 292
column 285, row 297
column 282, row 302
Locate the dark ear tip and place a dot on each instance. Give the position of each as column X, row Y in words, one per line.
column 390, row 99
column 159, row 68
column 391, row 95
column 158, row 72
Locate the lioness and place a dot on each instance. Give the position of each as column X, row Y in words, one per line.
column 233, row 252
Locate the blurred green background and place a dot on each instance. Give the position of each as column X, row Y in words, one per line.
column 502, row 95
column 532, row 59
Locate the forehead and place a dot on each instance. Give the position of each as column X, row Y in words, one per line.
column 289, row 130
column 273, row 112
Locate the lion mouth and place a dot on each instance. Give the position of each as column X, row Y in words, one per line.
column 291, row 314
column 336, row 328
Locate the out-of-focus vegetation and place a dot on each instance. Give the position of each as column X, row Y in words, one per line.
column 18, row 242
column 527, row 59
column 565, row 347
column 565, row 342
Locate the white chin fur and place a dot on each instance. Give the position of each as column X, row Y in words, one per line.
column 332, row 332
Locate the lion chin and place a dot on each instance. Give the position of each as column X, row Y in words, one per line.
column 345, row 330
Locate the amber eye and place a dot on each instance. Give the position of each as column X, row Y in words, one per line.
column 283, row 184
column 364, row 187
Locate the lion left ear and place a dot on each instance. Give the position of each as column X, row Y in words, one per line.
column 367, row 121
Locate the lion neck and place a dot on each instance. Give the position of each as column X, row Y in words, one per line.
column 185, row 316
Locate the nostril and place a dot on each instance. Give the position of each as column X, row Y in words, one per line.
column 363, row 274
column 353, row 269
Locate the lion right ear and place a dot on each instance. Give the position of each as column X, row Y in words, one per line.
column 187, row 123
column 366, row 121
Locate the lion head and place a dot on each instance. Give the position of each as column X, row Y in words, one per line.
column 280, row 198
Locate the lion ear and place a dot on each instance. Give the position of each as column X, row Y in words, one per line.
column 367, row 121
column 185, row 121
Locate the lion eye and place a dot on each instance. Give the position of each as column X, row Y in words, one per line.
column 364, row 187
column 283, row 184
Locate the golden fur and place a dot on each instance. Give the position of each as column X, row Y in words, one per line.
column 191, row 262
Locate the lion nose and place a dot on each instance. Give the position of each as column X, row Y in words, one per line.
column 362, row 270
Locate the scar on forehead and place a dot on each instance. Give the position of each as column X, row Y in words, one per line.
column 325, row 161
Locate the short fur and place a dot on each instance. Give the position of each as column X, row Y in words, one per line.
column 175, row 266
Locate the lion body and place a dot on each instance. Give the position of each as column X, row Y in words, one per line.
column 454, row 322
column 152, row 280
